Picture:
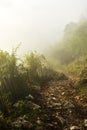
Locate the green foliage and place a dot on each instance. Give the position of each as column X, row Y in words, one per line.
column 73, row 45
column 17, row 77
column 35, row 64
column 39, row 71
column 12, row 81
column 4, row 123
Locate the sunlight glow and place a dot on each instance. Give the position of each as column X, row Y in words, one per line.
column 37, row 23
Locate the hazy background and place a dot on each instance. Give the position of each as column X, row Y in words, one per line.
column 37, row 24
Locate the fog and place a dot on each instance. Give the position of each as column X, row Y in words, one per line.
column 36, row 24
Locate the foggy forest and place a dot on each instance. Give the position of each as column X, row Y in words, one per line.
column 43, row 65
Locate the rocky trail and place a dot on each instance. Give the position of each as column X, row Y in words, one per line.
column 57, row 106
column 66, row 109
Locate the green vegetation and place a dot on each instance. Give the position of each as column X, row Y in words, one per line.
column 17, row 77
column 22, row 81
column 70, row 54
column 73, row 46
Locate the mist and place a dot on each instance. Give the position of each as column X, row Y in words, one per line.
column 43, row 64
column 36, row 24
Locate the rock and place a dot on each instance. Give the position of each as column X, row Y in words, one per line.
column 69, row 105
column 32, row 106
column 23, row 118
column 50, row 125
column 21, row 122
column 27, row 124
column 35, row 106
column 61, row 121
column 54, row 99
column 18, row 104
column 74, row 128
column 51, row 94
column 77, row 97
column 55, row 123
column 62, row 93
column 17, row 124
column 38, row 121
column 29, row 97
column 85, row 123
column 57, row 106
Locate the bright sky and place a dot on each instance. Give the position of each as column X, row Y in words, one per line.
column 36, row 23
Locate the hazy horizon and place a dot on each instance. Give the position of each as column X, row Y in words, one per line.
column 36, row 24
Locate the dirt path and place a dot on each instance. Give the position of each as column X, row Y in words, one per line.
column 65, row 108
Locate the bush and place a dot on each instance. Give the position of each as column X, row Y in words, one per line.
column 17, row 77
